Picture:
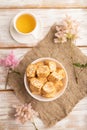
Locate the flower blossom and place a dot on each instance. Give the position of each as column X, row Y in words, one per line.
column 25, row 112
column 71, row 28
column 68, row 29
column 10, row 61
column 60, row 34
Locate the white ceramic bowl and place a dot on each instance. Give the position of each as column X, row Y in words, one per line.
column 41, row 98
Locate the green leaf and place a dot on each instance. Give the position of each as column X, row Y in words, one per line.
column 80, row 65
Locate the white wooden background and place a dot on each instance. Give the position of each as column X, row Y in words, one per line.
column 49, row 12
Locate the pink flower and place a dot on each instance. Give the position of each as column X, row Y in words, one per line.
column 24, row 112
column 67, row 29
column 71, row 28
column 60, row 35
column 10, row 61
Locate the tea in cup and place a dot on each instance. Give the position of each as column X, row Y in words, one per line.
column 25, row 23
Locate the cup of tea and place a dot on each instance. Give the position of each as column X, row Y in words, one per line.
column 25, row 23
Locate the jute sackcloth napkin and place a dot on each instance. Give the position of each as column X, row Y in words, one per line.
column 67, row 54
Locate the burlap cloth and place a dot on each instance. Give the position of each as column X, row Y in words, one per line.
column 67, row 53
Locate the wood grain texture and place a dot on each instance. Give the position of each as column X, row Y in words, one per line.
column 47, row 19
column 43, row 4
column 74, row 121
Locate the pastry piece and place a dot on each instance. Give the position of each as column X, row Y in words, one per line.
column 39, row 64
column 58, row 85
column 61, row 72
column 30, row 71
column 48, row 90
column 50, row 95
column 35, row 85
column 51, row 65
column 55, row 76
column 43, row 71
column 43, row 80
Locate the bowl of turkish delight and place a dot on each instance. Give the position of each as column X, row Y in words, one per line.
column 45, row 79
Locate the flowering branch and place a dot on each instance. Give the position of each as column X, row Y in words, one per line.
column 66, row 30
column 9, row 62
column 24, row 113
column 7, row 79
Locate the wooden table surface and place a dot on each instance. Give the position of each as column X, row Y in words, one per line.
column 49, row 12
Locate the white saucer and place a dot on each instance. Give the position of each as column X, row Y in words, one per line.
column 30, row 40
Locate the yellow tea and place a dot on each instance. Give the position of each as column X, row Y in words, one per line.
column 25, row 23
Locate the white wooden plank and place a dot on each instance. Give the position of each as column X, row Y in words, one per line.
column 76, row 120
column 47, row 18
column 42, row 3
column 84, row 50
